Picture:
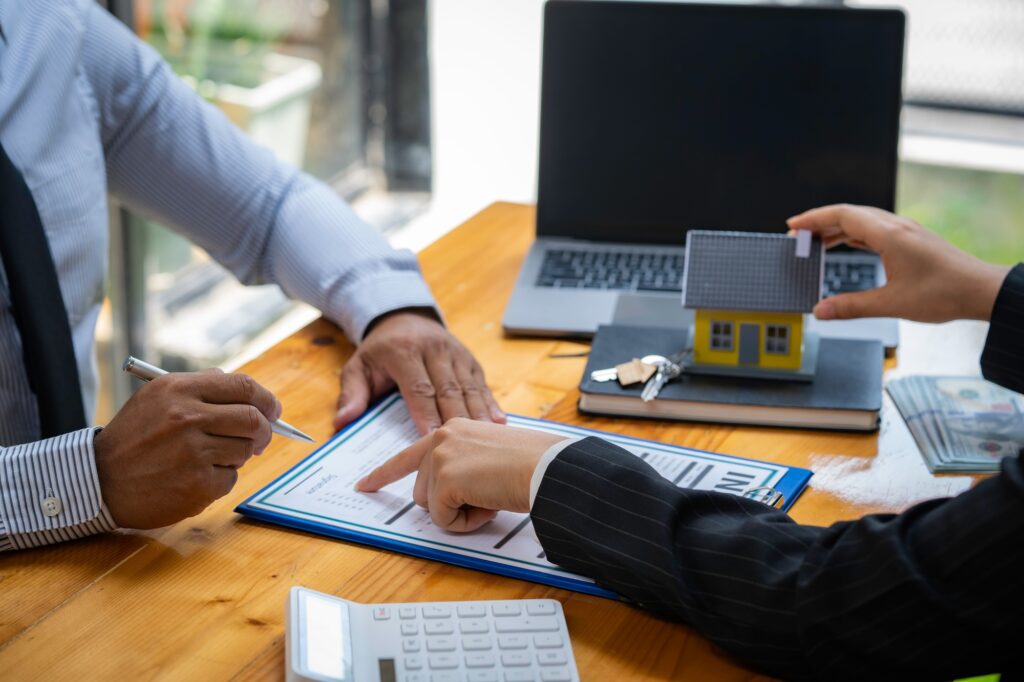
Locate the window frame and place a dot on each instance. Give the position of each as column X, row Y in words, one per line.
column 721, row 336
column 776, row 343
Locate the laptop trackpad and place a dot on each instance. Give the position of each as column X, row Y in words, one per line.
column 646, row 310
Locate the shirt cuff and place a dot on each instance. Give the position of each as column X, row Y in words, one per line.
column 374, row 296
column 545, row 460
column 51, row 491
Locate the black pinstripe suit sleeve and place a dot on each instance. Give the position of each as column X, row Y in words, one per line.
column 1001, row 360
column 932, row 593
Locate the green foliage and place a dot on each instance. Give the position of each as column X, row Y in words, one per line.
column 982, row 212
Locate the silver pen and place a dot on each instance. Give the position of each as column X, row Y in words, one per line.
column 147, row 372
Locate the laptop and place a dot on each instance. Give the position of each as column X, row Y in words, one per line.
column 658, row 118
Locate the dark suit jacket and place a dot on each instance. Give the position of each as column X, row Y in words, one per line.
column 933, row 593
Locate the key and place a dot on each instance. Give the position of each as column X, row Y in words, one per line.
column 513, row 642
column 540, row 608
column 443, row 662
column 532, row 624
column 482, row 676
column 441, row 644
column 552, row 658
column 658, row 381
column 471, row 610
column 473, row 627
column 515, row 659
column 671, row 369
column 476, row 643
column 438, row 627
column 506, row 609
column 479, row 661
column 612, row 373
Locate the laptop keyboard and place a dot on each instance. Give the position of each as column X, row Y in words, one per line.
column 652, row 271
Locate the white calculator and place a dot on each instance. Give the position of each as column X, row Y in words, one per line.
column 334, row 640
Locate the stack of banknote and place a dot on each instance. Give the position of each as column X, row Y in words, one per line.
column 962, row 424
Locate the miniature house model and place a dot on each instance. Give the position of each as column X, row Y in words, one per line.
column 750, row 292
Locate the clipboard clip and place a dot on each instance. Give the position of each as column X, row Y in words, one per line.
column 766, row 494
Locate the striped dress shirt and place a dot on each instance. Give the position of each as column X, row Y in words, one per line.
column 934, row 593
column 85, row 109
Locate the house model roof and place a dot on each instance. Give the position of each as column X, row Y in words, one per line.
column 751, row 271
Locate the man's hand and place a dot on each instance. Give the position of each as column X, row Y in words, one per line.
column 468, row 471
column 436, row 375
column 177, row 444
column 929, row 280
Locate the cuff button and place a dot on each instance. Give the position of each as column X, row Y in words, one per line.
column 51, row 506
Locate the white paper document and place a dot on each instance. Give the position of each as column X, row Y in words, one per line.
column 319, row 492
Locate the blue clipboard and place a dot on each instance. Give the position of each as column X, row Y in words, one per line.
column 786, row 490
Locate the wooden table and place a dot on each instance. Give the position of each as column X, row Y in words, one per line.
column 204, row 599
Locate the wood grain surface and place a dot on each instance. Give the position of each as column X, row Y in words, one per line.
column 204, row 599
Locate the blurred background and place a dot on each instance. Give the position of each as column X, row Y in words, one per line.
column 422, row 113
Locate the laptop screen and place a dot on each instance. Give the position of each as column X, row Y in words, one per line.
column 661, row 117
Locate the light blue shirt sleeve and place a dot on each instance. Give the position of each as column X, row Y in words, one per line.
column 172, row 156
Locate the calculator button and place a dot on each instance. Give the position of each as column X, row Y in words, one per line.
column 519, row 676
column 547, row 641
column 437, row 611
column 410, row 629
column 413, row 662
column 438, row 627
column 556, row 675
column 540, row 608
column 471, row 610
column 441, row 644
column 479, row 661
column 473, row 627
column 515, row 658
column 381, row 613
column 476, row 643
column 506, row 609
column 513, row 641
column 410, row 645
column 443, row 661
column 551, row 658
column 537, row 624
column 407, row 612
column 445, row 677
column 482, row 676
column 415, row 677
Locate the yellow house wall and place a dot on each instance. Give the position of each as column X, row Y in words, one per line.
column 702, row 338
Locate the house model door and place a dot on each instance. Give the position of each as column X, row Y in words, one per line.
column 750, row 344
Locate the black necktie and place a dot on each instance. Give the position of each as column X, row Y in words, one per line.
column 38, row 306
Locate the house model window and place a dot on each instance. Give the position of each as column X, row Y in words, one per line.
column 721, row 335
column 776, row 339
column 750, row 292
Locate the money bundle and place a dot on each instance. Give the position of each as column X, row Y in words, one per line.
column 961, row 424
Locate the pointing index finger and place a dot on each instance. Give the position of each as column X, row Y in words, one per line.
column 398, row 467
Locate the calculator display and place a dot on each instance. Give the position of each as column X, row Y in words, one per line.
column 386, row 667
column 327, row 646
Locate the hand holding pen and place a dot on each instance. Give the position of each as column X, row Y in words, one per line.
column 147, row 372
column 177, row 444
